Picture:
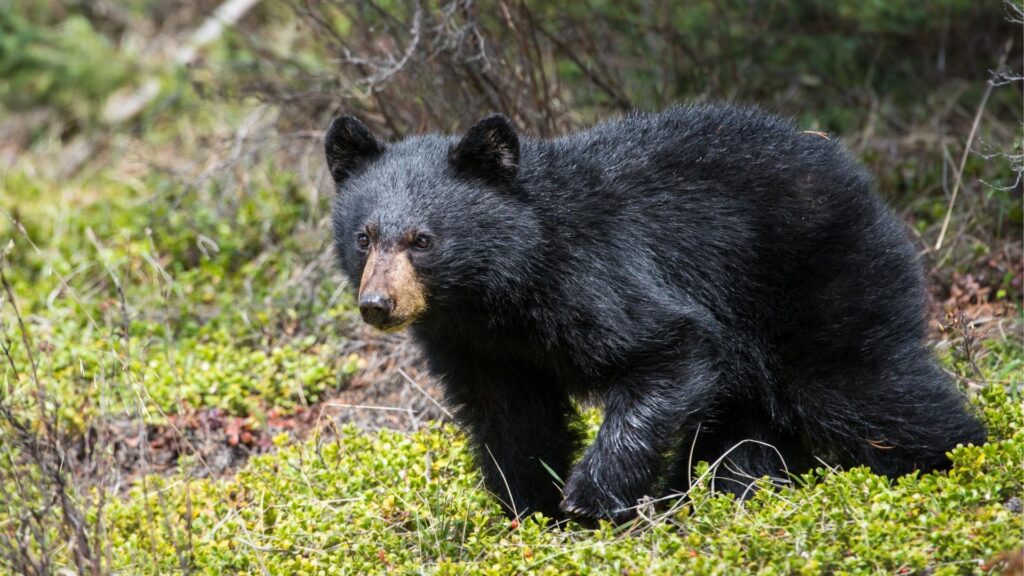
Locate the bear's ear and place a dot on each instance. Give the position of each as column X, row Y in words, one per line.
column 489, row 150
column 348, row 146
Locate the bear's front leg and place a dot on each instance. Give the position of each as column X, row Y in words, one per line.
column 644, row 413
column 521, row 430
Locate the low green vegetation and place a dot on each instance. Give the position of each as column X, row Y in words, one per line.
column 134, row 304
column 393, row 503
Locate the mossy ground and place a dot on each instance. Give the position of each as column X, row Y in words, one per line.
column 395, row 503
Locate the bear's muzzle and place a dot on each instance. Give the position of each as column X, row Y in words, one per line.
column 391, row 295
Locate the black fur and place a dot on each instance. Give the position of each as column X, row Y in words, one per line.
column 349, row 146
column 706, row 267
column 489, row 150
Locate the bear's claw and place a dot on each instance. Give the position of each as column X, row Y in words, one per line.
column 587, row 503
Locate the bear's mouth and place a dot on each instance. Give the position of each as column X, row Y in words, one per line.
column 395, row 325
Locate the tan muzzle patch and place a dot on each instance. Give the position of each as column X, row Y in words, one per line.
column 392, row 275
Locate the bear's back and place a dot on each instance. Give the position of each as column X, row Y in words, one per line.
column 735, row 149
column 728, row 209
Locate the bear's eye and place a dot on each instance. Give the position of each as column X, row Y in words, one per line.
column 422, row 242
column 362, row 241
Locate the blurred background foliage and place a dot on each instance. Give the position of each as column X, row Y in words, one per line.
column 554, row 64
column 898, row 80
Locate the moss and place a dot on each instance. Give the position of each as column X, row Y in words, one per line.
column 241, row 380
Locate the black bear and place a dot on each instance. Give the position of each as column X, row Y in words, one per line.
column 729, row 287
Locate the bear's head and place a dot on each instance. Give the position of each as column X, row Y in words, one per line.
column 428, row 223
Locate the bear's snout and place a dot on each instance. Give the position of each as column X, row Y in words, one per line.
column 376, row 309
column 391, row 295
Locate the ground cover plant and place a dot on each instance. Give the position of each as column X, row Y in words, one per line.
column 185, row 386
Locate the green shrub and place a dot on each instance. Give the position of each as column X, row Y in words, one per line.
column 389, row 502
column 70, row 66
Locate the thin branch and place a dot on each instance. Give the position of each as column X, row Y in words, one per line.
column 967, row 148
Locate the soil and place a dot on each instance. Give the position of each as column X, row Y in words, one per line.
column 393, row 392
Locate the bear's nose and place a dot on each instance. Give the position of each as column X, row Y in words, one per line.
column 376, row 308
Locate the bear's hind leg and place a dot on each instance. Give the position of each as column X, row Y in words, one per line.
column 742, row 445
column 906, row 418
